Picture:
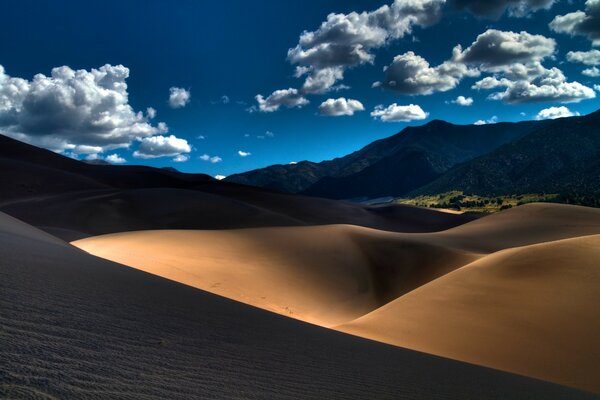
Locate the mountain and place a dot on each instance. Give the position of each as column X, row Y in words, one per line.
column 562, row 157
column 73, row 199
column 390, row 166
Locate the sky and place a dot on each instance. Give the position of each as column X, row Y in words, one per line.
column 226, row 87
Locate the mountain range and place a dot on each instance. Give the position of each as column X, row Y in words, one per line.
column 550, row 156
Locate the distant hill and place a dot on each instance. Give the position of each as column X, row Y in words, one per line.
column 561, row 157
column 392, row 166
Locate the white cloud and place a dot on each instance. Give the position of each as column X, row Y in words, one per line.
column 515, row 59
column 340, row 106
column 115, row 159
column 347, row 40
column 593, row 72
column 269, row 134
column 323, row 80
column 597, row 88
column 583, row 23
column 179, row 97
column 150, row 113
column 211, row 159
column 494, row 49
column 220, row 177
column 549, row 85
column 73, row 110
column 181, row 158
column 411, row 74
column 463, row 101
column 591, row 57
column 396, row 113
column 555, row 112
column 284, row 97
column 492, row 120
column 244, row 153
column 162, row 146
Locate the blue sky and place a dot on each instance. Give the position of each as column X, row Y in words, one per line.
column 239, row 49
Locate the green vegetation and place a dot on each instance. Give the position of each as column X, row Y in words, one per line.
column 464, row 202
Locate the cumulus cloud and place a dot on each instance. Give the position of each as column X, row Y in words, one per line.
column 396, row 113
column 211, row 159
column 322, row 80
column 181, row 158
column 516, row 59
column 75, row 111
column 347, row 40
column 555, row 112
column 340, row 106
column 162, row 146
column 115, row 159
column 582, row 23
column 495, row 49
column 591, row 57
column 495, row 8
column 463, row 101
column 289, row 98
column 344, row 41
column 150, row 113
column 492, row 120
column 220, row 177
column 179, row 97
column 244, row 153
column 537, row 84
column 593, row 72
column 411, row 74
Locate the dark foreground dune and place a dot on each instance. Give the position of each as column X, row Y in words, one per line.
column 76, row 326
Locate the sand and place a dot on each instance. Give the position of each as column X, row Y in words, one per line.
column 76, row 326
column 531, row 310
column 325, row 275
column 367, row 282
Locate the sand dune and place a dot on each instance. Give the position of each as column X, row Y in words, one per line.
column 325, row 275
column 531, row 310
column 524, row 225
column 76, row 326
column 332, row 275
column 80, row 214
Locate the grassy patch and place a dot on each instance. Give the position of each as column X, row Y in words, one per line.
column 464, row 202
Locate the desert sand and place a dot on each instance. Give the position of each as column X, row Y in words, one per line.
column 531, row 310
column 77, row 326
column 369, row 283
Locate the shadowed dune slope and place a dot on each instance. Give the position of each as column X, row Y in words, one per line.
column 530, row 310
column 76, row 326
column 329, row 275
column 214, row 205
column 325, row 275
